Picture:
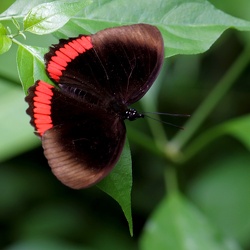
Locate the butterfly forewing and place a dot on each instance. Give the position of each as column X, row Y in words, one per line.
column 131, row 56
column 122, row 64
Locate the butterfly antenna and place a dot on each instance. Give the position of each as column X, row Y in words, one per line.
column 167, row 114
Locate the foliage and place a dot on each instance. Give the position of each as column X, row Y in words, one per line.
column 191, row 188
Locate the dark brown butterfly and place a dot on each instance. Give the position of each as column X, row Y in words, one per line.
column 97, row 78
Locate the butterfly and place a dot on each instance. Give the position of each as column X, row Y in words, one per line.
column 96, row 77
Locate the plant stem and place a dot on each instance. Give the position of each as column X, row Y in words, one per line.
column 171, row 181
column 16, row 42
column 212, row 100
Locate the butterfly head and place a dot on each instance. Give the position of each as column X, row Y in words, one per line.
column 132, row 114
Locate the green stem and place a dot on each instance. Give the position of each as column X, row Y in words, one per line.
column 17, row 42
column 171, row 181
column 212, row 100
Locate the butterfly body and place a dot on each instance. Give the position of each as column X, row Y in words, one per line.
column 97, row 77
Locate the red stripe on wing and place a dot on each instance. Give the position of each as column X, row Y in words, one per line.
column 42, row 107
column 64, row 55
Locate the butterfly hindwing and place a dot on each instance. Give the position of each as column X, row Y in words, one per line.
column 81, row 144
column 82, row 154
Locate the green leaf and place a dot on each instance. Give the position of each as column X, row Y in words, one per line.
column 5, row 41
column 118, row 184
column 222, row 191
column 21, row 7
column 178, row 224
column 30, row 65
column 188, row 27
column 16, row 23
column 48, row 17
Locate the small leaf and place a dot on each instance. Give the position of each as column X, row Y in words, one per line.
column 178, row 224
column 118, row 184
column 30, row 65
column 16, row 23
column 21, row 7
column 48, row 17
column 5, row 41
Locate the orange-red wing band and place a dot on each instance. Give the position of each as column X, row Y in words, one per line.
column 42, row 107
column 66, row 54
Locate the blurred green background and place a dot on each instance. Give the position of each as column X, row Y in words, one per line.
column 38, row 212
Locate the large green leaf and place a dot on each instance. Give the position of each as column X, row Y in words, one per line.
column 178, row 224
column 188, row 27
